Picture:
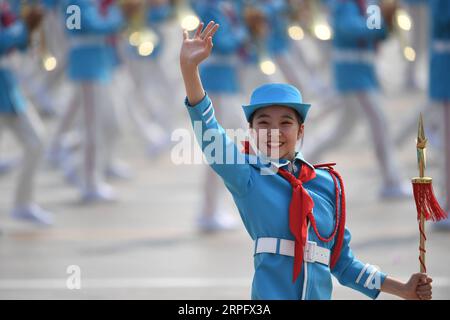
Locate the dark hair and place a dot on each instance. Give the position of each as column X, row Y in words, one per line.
column 299, row 118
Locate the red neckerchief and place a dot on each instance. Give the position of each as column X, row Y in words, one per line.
column 7, row 17
column 300, row 210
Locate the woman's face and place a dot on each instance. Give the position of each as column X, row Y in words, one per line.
column 277, row 130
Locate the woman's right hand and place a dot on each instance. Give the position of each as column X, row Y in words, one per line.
column 197, row 49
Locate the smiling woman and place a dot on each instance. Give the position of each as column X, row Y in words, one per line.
column 295, row 215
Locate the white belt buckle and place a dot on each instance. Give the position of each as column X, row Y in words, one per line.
column 310, row 251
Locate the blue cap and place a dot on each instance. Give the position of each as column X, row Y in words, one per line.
column 279, row 94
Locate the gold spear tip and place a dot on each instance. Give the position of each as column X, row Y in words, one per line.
column 421, row 139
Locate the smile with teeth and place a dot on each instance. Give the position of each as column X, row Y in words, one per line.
column 275, row 144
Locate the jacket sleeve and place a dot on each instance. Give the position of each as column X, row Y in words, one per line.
column 224, row 157
column 352, row 273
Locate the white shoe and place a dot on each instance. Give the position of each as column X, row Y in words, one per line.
column 396, row 191
column 216, row 222
column 33, row 213
column 118, row 171
column 102, row 193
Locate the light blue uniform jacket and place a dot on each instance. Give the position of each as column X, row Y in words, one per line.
column 12, row 37
column 263, row 203
column 353, row 42
column 91, row 57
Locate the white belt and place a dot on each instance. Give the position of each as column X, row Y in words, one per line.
column 441, row 46
column 353, row 56
column 81, row 41
column 312, row 253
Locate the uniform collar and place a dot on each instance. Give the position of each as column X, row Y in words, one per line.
column 292, row 166
column 263, row 162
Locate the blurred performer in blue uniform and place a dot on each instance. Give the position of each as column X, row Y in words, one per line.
column 15, row 115
column 221, row 77
column 354, row 50
column 257, row 64
column 279, row 44
column 439, row 85
column 144, row 57
column 90, row 68
column 39, row 72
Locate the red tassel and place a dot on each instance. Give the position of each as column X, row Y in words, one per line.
column 426, row 202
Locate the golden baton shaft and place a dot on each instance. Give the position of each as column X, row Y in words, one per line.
column 423, row 269
column 421, row 160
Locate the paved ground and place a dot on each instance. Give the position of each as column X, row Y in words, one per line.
column 146, row 245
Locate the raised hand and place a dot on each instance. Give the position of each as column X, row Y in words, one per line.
column 197, row 49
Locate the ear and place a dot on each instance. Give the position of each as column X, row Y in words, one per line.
column 301, row 131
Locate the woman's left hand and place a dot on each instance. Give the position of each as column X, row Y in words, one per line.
column 418, row 287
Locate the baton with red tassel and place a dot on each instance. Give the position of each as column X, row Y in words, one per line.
column 427, row 206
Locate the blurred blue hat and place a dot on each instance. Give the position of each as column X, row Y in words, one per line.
column 279, row 94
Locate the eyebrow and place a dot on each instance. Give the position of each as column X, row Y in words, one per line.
column 287, row 116
column 263, row 115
